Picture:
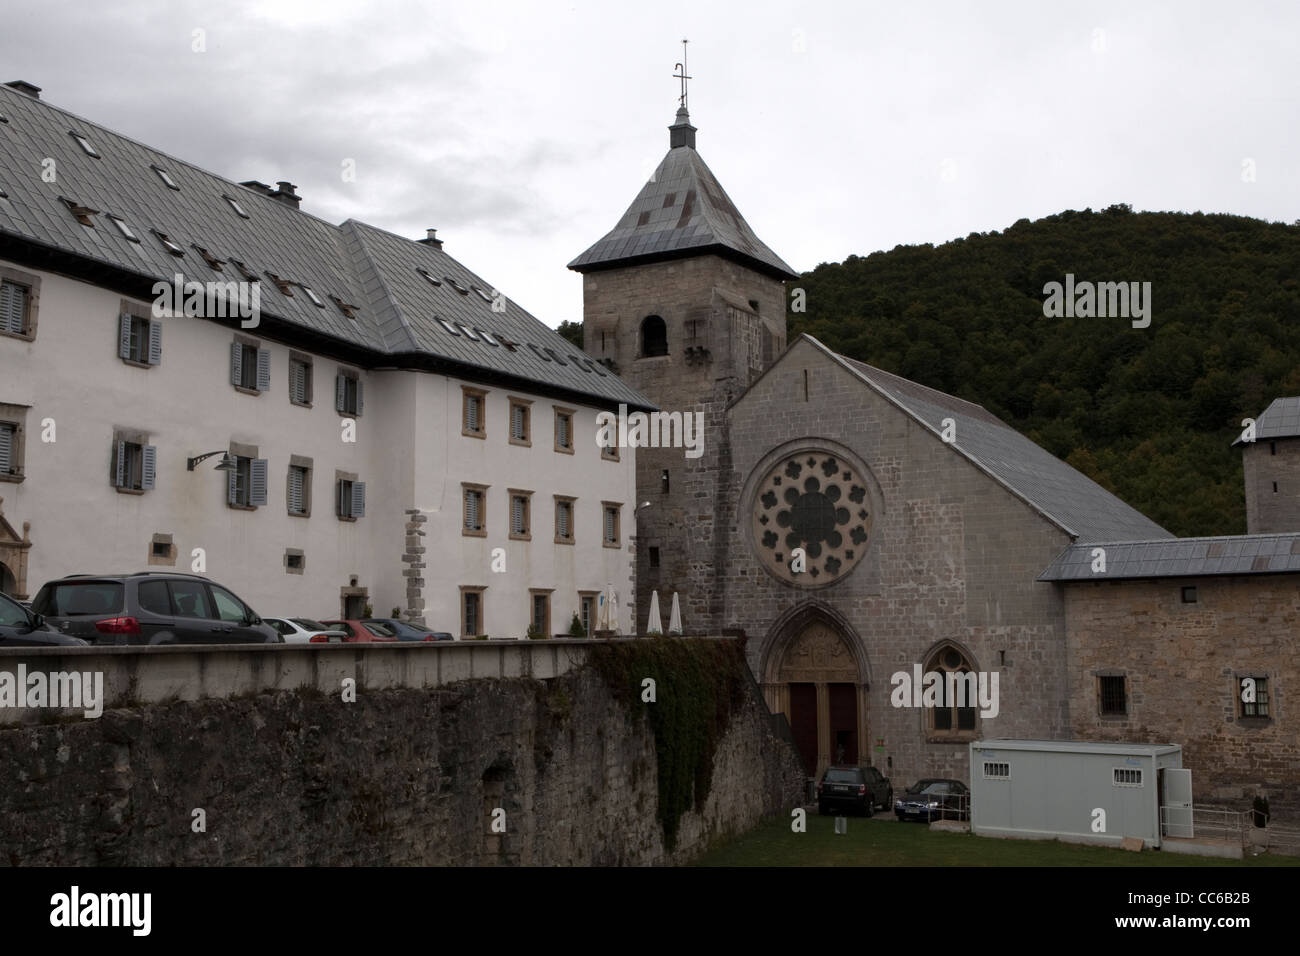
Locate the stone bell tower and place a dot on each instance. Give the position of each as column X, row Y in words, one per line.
column 687, row 304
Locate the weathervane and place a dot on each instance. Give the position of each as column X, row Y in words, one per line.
column 681, row 73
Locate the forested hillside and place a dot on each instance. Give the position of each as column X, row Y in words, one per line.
column 1149, row 413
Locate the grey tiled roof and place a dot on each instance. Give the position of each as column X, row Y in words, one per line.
column 1280, row 420
column 682, row 210
column 1067, row 497
column 1180, row 558
column 397, row 309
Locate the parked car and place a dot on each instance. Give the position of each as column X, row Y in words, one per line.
column 22, row 627
column 408, row 632
column 853, row 788
column 358, row 632
column 301, row 630
column 150, row 607
column 934, row 799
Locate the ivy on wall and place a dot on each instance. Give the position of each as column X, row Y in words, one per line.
column 698, row 685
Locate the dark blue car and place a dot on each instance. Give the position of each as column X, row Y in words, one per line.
column 934, row 799
column 409, row 632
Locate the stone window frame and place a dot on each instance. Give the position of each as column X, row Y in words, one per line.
column 465, row 488
column 593, row 621
column 610, row 452
column 32, row 283
column 933, row 659
column 157, row 559
column 132, row 436
column 353, row 479
column 480, row 591
column 145, row 314
column 294, row 553
column 16, row 416
column 641, row 338
column 468, row 393
column 569, row 414
column 256, row 345
column 572, row 502
column 527, row 496
column 533, row 595
column 302, row 358
column 299, row 461
column 242, row 450
column 617, row 507
column 1238, row 710
column 1111, row 674
column 353, row 373
column 526, row 404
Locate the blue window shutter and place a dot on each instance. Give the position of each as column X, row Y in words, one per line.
column 340, row 392
column 358, row 499
column 257, row 483
column 236, row 363
column 119, row 467
column 230, row 486
column 358, row 396
column 148, row 466
column 263, row 370
column 6, row 449
column 155, row 342
column 124, row 336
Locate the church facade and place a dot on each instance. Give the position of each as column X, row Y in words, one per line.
column 869, row 534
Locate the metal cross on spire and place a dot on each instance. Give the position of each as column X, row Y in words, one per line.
column 681, row 73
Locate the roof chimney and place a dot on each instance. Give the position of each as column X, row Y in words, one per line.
column 22, row 86
column 431, row 239
column 286, row 194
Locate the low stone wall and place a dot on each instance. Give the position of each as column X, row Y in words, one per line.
column 438, row 744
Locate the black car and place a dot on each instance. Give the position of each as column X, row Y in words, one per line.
column 408, row 632
column 21, row 627
column 853, row 788
column 150, row 607
column 934, row 799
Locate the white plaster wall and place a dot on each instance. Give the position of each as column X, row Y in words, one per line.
column 409, row 451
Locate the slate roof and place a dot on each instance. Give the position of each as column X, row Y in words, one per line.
column 398, row 310
column 1280, row 420
column 682, row 211
column 1068, row 498
column 1180, row 558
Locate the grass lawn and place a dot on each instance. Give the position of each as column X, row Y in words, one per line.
column 883, row 841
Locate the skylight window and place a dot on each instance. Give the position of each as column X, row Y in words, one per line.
column 84, row 144
column 429, row 277
column 538, row 352
column 448, row 326
column 234, row 204
column 315, row 299
column 209, row 258
column 551, row 353
column 167, row 180
column 284, row 285
column 246, row 272
column 81, row 213
column 485, row 296
column 456, row 285
column 349, row 310
column 124, row 229
column 487, row 337
column 468, row 333
column 168, row 244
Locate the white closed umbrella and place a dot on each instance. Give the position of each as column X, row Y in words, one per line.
column 613, row 611
column 602, row 615
column 675, row 619
column 655, row 624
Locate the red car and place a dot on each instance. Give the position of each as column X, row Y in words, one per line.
column 359, row 632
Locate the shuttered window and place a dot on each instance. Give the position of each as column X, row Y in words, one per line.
column 351, row 499
column 611, row 524
column 473, row 510
column 139, row 339
column 564, row 520
column 519, row 515
column 563, row 430
column 8, row 448
column 519, row 423
column 246, row 485
column 13, row 307
column 250, row 367
column 472, row 624
column 298, row 486
column 134, row 466
column 347, row 395
column 299, row 382
column 474, row 414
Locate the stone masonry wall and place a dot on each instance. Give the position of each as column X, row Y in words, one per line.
column 403, row 777
column 1265, row 463
column 1183, row 663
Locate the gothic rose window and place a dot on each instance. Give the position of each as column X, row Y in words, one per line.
column 817, row 503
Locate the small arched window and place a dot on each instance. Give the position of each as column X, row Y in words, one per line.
column 654, row 336
column 958, row 698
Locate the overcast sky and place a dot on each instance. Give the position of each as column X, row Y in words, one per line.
column 522, row 130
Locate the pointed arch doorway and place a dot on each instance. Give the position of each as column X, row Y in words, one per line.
column 816, row 677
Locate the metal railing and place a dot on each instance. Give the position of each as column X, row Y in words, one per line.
column 1206, row 823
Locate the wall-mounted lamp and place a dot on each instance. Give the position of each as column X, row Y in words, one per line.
column 227, row 462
